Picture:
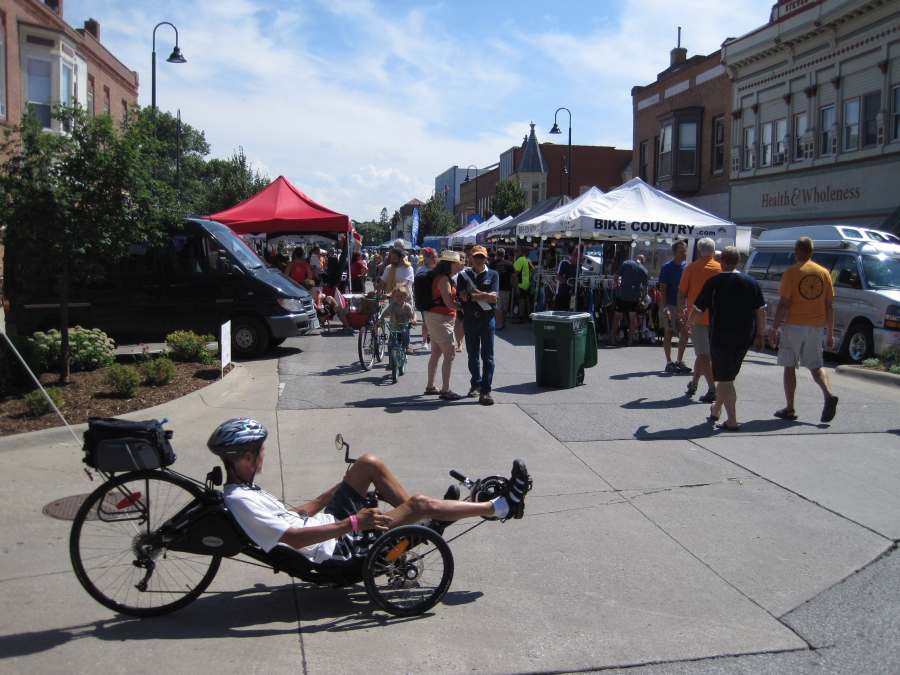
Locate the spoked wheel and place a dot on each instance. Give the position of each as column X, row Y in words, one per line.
column 369, row 346
column 117, row 550
column 408, row 570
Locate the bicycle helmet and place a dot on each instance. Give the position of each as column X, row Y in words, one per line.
column 236, row 436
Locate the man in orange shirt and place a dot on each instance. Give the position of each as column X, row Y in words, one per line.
column 805, row 308
column 693, row 278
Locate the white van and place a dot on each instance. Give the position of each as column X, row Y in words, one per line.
column 865, row 270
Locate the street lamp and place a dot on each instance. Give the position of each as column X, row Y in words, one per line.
column 472, row 166
column 174, row 57
column 555, row 130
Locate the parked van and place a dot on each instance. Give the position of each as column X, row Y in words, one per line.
column 865, row 271
column 201, row 277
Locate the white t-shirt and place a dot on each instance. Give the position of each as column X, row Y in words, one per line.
column 265, row 520
column 404, row 275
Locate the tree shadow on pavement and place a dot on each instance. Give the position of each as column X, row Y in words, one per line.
column 232, row 614
column 706, row 429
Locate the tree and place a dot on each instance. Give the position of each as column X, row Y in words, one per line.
column 229, row 181
column 86, row 194
column 435, row 219
column 383, row 219
column 374, row 232
column 509, row 199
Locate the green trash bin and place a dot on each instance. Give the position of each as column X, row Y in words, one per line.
column 561, row 343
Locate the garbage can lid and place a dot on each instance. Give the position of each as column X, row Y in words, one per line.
column 560, row 317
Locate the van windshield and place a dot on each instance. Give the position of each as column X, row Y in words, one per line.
column 882, row 272
column 233, row 244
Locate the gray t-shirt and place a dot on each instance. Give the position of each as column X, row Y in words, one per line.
column 634, row 278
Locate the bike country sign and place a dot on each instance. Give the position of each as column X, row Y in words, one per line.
column 644, row 229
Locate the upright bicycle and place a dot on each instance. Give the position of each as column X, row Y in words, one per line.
column 398, row 338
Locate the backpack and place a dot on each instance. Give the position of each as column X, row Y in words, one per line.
column 422, row 285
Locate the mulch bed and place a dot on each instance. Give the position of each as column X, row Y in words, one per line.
column 87, row 395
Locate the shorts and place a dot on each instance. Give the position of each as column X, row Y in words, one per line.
column 673, row 323
column 627, row 305
column 726, row 360
column 700, row 338
column 345, row 502
column 801, row 346
column 503, row 301
column 440, row 328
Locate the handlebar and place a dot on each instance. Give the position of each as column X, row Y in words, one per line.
column 468, row 482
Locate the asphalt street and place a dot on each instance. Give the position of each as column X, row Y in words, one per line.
column 651, row 542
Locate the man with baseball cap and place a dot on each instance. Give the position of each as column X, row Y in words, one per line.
column 479, row 287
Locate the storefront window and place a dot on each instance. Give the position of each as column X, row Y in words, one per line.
column 718, row 144
column 826, row 130
column 871, row 108
column 749, row 148
column 665, row 151
column 780, row 141
column 38, row 85
column 800, row 128
column 687, row 148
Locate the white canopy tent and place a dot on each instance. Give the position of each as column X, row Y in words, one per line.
column 634, row 210
column 469, row 235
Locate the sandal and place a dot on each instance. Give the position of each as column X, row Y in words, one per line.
column 725, row 427
column 449, row 396
column 431, row 391
column 830, row 409
column 786, row 414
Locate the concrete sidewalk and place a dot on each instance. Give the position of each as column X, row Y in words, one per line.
column 665, row 545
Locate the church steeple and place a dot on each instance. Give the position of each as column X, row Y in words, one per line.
column 532, row 159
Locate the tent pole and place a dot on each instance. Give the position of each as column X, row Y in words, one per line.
column 539, row 272
column 349, row 255
column 577, row 269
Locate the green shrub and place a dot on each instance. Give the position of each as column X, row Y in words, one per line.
column 89, row 349
column 36, row 404
column 895, row 369
column 891, row 356
column 124, row 380
column 872, row 363
column 186, row 345
column 158, row 371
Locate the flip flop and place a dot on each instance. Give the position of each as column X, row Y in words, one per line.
column 431, row 391
column 787, row 414
column 828, row 412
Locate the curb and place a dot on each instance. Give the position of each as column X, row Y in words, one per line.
column 869, row 374
column 59, row 434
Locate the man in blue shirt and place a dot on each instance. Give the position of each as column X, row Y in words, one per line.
column 669, row 278
column 478, row 288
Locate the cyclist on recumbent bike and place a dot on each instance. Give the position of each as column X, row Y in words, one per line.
column 322, row 528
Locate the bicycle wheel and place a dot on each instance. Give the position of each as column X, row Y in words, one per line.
column 408, row 570
column 392, row 359
column 117, row 548
column 367, row 344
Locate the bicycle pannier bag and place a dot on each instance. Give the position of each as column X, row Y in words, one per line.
column 119, row 445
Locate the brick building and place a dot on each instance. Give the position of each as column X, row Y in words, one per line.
column 480, row 185
column 816, row 99
column 44, row 61
column 682, row 130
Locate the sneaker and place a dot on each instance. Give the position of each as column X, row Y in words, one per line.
column 708, row 397
column 691, row 389
column 671, row 368
column 485, row 399
column 519, row 485
column 681, row 368
column 473, row 392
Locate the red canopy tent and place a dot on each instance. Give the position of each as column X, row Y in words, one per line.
column 281, row 208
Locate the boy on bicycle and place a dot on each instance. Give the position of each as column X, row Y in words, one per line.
column 399, row 314
column 319, row 527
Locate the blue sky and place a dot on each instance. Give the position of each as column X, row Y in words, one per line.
column 361, row 103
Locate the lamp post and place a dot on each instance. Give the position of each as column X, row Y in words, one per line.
column 555, row 130
column 174, row 57
column 472, row 166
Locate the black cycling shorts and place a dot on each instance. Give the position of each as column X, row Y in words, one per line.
column 627, row 305
column 726, row 360
column 345, row 502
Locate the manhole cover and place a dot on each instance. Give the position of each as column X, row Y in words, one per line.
column 65, row 508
